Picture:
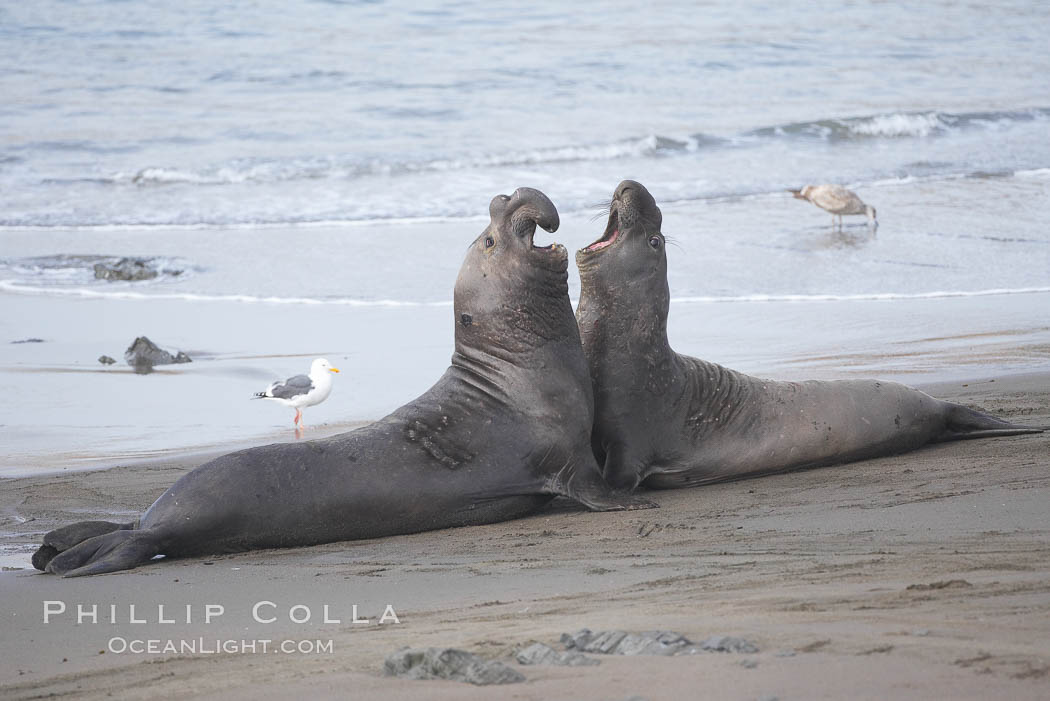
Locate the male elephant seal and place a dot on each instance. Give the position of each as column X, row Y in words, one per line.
column 667, row 420
column 505, row 429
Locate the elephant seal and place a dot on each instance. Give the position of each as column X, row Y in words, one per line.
column 666, row 420
column 504, row 430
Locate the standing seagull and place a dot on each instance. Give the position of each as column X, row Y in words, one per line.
column 837, row 200
column 302, row 391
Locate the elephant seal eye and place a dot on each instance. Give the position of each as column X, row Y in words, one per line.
column 489, row 242
column 466, row 319
column 655, row 242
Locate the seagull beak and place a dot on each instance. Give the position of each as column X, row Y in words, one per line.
column 334, row 369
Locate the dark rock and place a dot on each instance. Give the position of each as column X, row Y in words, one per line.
column 143, row 354
column 29, row 340
column 106, row 360
column 125, row 269
column 538, row 653
column 448, row 663
column 748, row 663
column 143, row 351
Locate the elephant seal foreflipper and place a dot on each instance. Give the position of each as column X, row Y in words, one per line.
column 668, row 420
column 505, row 429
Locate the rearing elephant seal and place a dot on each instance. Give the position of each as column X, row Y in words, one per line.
column 667, row 420
column 505, row 429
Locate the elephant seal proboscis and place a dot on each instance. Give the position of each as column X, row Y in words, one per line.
column 667, row 420
column 505, row 429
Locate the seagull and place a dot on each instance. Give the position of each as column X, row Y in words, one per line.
column 302, row 391
column 837, row 200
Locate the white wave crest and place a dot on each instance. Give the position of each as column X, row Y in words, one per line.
column 342, row 167
column 166, row 176
column 1037, row 173
column 248, row 225
column 15, row 287
column 901, row 125
column 873, row 296
column 599, row 152
column 226, row 175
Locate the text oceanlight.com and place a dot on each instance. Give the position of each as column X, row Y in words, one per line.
column 214, row 646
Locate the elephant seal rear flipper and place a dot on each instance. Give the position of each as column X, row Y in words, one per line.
column 964, row 423
column 62, row 539
column 110, row 552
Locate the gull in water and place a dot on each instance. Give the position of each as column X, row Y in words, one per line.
column 302, row 391
column 837, row 200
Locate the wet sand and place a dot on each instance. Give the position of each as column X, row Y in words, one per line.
column 74, row 413
column 925, row 575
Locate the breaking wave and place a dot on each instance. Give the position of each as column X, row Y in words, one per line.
column 889, row 126
column 895, row 125
column 348, row 188
column 348, row 167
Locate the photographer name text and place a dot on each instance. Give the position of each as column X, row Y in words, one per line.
column 263, row 612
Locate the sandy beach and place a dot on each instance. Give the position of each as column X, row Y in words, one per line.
column 925, row 575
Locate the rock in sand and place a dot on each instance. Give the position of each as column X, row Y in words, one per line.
column 658, row 642
column 538, row 653
column 448, row 663
column 125, row 269
column 143, row 354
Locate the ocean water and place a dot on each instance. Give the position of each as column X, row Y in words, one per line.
column 306, row 177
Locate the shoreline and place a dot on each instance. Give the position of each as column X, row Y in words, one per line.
column 44, row 466
column 206, row 452
column 203, row 453
column 912, row 576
